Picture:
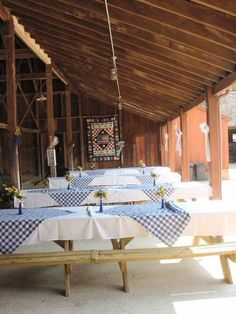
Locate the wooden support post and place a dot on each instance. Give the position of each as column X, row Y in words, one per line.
column 171, row 148
column 214, row 122
column 69, row 136
column 185, row 146
column 121, row 137
column 159, row 146
column 50, row 118
column 81, row 133
column 11, row 103
column 164, row 153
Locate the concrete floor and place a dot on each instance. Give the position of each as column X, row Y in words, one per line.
column 193, row 286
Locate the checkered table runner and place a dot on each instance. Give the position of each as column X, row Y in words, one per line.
column 15, row 229
column 166, row 224
column 151, row 190
column 98, row 172
column 81, row 182
column 70, row 198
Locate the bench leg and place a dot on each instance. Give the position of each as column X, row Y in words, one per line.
column 225, row 263
column 118, row 245
column 196, row 241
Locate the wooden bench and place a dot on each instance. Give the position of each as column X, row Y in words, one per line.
column 121, row 255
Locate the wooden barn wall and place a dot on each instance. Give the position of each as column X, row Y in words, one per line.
column 140, row 135
column 197, row 139
column 232, row 145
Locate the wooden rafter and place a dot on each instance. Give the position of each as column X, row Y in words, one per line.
column 228, row 7
column 165, row 63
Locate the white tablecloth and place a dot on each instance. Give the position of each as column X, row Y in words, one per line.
column 207, row 218
column 189, row 190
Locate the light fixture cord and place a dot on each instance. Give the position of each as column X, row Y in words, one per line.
column 113, row 50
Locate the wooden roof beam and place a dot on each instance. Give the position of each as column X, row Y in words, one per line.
column 225, row 83
column 125, row 41
column 198, row 13
column 228, row 7
column 121, row 18
column 76, row 55
column 99, row 33
column 145, row 56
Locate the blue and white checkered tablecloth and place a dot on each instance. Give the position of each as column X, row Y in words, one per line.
column 15, row 229
column 75, row 197
column 83, row 182
column 71, row 197
column 167, row 224
column 151, row 190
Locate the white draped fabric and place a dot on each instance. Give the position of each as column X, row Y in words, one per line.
column 207, row 218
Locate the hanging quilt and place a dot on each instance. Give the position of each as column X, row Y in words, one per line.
column 103, row 138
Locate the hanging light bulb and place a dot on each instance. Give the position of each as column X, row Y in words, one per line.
column 113, row 74
column 41, row 97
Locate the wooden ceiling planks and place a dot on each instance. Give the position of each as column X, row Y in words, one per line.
column 167, row 51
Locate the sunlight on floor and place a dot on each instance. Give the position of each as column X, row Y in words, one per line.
column 206, row 306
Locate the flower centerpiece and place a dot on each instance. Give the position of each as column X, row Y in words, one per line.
column 17, row 134
column 142, row 164
column 154, row 175
column 80, row 169
column 101, row 194
column 7, row 194
column 161, row 192
column 68, row 178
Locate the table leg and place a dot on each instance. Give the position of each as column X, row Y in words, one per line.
column 68, row 246
column 124, row 268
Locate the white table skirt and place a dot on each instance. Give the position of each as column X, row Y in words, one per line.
column 207, row 218
column 193, row 189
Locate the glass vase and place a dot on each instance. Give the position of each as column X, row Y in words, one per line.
column 154, row 182
column 20, row 208
column 162, row 203
column 68, row 186
column 101, row 206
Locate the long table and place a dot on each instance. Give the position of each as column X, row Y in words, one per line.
column 76, row 197
column 210, row 220
column 122, row 194
column 82, row 182
column 121, row 171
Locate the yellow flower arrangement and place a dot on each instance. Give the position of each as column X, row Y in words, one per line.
column 101, row 194
column 68, row 177
column 142, row 164
column 9, row 192
column 161, row 192
column 154, row 174
column 80, row 168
